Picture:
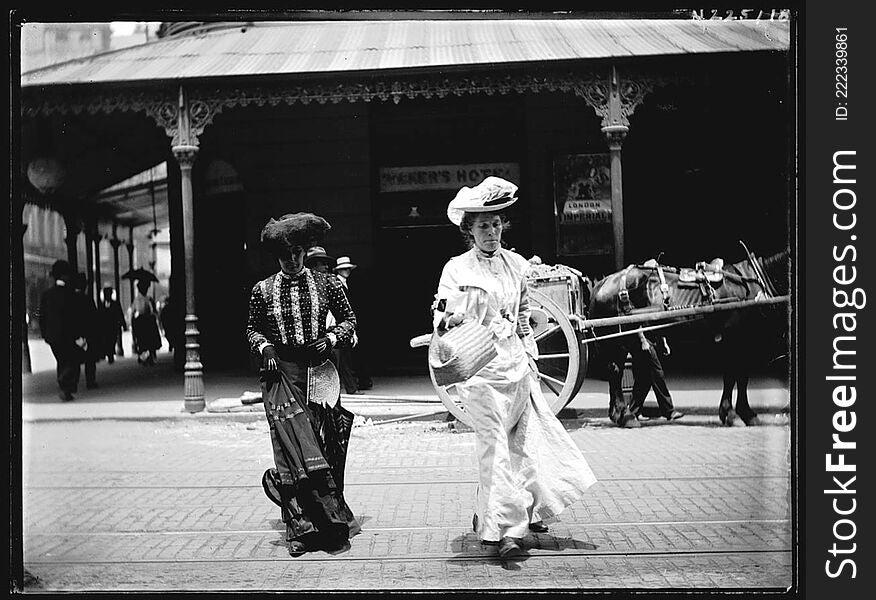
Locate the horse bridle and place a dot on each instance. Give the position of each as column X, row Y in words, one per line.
column 623, row 294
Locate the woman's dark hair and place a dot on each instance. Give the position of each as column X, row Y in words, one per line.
column 468, row 219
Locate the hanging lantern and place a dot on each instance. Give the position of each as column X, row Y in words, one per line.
column 46, row 174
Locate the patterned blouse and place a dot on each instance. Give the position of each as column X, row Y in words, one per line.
column 291, row 310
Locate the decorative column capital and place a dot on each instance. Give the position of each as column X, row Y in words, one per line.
column 185, row 155
column 73, row 227
column 615, row 135
column 115, row 242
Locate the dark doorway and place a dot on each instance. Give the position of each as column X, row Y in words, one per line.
column 413, row 237
column 411, row 259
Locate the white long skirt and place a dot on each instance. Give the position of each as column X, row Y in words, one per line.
column 529, row 468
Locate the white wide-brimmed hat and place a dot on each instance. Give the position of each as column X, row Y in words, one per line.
column 344, row 263
column 492, row 194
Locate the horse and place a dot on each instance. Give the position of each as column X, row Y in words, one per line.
column 736, row 328
column 652, row 287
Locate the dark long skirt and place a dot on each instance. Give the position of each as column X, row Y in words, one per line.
column 310, row 451
column 145, row 333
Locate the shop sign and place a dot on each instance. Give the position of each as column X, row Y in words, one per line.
column 444, row 177
column 586, row 211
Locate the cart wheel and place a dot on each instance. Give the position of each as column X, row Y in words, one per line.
column 562, row 361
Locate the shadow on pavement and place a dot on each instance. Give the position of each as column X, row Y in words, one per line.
column 468, row 546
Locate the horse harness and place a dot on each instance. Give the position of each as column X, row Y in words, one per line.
column 707, row 276
column 623, row 294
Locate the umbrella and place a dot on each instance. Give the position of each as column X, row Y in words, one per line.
column 140, row 274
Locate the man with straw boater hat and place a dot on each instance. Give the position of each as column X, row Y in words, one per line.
column 310, row 430
column 343, row 357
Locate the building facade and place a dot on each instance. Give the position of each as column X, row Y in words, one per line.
column 677, row 148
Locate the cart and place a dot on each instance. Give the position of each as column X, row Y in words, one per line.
column 558, row 301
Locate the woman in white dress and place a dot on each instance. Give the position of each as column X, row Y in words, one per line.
column 529, row 468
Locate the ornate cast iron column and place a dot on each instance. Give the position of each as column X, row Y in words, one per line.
column 115, row 242
column 185, row 149
column 614, row 135
column 130, row 247
column 73, row 227
column 615, row 103
column 98, row 276
column 89, row 256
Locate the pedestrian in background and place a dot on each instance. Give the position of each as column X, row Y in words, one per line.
column 144, row 324
column 61, row 328
column 310, row 429
column 170, row 320
column 648, row 375
column 110, row 323
column 343, row 356
column 529, row 468
column 318, row 260
column 88, row 319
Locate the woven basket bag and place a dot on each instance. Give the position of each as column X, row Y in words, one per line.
column 457, row 354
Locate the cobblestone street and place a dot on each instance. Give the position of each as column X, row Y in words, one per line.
column 178, row 505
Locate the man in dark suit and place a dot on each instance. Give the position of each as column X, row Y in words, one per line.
column 60, row 325
column 88, row 321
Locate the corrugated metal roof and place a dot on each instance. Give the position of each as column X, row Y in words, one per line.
column 269, row 48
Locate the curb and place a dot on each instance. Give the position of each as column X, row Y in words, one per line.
column 703, row 411
column 255, row 412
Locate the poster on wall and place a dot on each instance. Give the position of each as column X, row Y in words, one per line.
column 582, row 205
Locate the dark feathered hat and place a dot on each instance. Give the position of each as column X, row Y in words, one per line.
column 297, row 229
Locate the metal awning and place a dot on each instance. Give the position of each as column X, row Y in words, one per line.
column 332, row 47
column 138, row 200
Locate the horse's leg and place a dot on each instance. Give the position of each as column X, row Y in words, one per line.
column 748, row 416
column 728, row 371
column 743, row 356
column 619, row 411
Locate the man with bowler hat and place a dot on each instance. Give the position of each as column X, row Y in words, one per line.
column 317, row 260
column 61, row 327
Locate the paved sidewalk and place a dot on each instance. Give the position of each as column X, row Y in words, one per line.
column 176, row 505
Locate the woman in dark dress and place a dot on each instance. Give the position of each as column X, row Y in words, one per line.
column 144, row 324
column 111, row 322
column 309, row 428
